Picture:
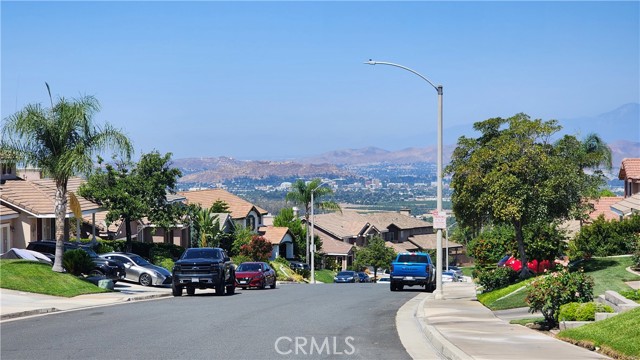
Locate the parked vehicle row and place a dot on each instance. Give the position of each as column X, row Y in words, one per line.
column 255, row 274
column 139, row 270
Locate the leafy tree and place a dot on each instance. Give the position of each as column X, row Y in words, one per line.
column 206, row 226
column 219, row 206
column 258, row 249
column 300, row 194
column 285, row 218
column 61, row 140
column 242, row 236
column 375, row 254
column 513, row 174
column 134, row 191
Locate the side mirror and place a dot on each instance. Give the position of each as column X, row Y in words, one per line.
column 226, row 258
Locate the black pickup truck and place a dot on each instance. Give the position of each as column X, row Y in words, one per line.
column 204, row 268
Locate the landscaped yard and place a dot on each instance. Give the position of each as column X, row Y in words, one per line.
column 617, row 335
column 325, row 276
column 35, row 277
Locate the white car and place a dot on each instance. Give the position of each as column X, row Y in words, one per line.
column 384, row 280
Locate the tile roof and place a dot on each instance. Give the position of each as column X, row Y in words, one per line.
column 334, row 247
column 628, row 205
column 401, row 247
column 429, row 241
column 101, row 222
column 630, row 169
column 602, row 206
column 238, row 207
column 382, row 220
column 37, row 197
column 342, row 225
column 6, row 211
column 273, row 234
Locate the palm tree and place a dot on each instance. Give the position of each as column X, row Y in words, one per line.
column 62, row 141
column 207, row 225
column 300, row 194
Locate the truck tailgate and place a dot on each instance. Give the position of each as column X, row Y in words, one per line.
column 408, row 269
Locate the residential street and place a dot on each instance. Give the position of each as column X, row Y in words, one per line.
column 354, row 321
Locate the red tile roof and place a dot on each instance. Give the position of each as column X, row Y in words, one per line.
column 602, row 206
column 630, row 169
column 273, row 234
column 238, row 207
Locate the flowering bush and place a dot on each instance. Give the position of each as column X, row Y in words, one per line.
column 258, row 249
column 547, row 293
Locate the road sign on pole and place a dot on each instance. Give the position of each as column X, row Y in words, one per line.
column 439, row 220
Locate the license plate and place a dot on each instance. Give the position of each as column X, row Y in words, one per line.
column 408, row 277
column 195, row 280
column 243, row 281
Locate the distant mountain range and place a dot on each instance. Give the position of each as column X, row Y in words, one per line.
column 620, row 128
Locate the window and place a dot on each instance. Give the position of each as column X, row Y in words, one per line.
column 251, row 223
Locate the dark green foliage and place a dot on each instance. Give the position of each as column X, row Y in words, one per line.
column 376, row 254
column 491, row 245
column 497, row 278
column 582, row 311
column 77, row 262
column 544, row 241
column 631, row 294
column 547, row 293
column 286, row 219
column 606, row 238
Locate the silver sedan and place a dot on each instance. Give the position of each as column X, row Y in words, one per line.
column 140, row 270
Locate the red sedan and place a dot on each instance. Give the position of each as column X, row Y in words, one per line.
column 255, row 274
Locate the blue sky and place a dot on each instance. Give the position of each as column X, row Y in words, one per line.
column 282, row 80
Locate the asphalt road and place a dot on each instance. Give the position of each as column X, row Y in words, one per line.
column 343, row 321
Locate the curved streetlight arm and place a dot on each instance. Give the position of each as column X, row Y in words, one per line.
column 372, row 62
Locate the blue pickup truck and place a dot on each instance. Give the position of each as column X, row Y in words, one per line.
column 413, row 269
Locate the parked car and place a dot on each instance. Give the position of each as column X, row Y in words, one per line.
column 139, row 270
column 203, row 268
column 449, row 276
column 255, row 274
column 299, row 266
column 455, row 269
column 346, row 277
column 111, row 269
column 364, row 278
column 384, row 280
column 413, row 269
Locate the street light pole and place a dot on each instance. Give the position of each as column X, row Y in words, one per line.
column 313, row 243
column 438, row 292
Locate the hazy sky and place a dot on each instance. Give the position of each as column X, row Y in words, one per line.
column 278, row 80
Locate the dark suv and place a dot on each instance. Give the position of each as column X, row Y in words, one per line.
column 111, row 269
column 203, row 268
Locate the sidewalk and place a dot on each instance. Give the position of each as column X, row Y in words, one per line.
column 460, row 327
column 15, row 304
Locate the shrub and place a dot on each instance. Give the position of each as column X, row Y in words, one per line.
column 547, row 293
column 77, row 262
column 258, row 249
column 582, row 311
column 496, row 278
column 631, row 294
column 166, row 263
column 239, row 259
column 606, row 238
column 491, row 245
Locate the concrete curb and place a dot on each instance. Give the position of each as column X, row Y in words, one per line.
column 439, row 342
column 20, row 314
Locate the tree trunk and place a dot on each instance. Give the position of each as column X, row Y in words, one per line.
column 524, row 271
column 61, row 212
column 306, row 254
column 127, row 226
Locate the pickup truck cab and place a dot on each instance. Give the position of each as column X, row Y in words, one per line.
column 202, row 268
column 413, row 269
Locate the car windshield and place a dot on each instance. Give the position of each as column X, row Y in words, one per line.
column 202, row 253
column 90, row 251
column 413, row 258
column 346, row 273
column 140, row 260
column 248, row 267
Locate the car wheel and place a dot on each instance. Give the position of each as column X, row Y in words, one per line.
column 231, row 289
column 145, row 280
column 273, row 286
column 220, row 288
column 191, row 290
column 96, row 272
column 393, row 287
column 176, row 290
column 263, row 284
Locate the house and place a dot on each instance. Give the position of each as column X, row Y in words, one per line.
column 341, row 251
column 243, row 213
column 27, row 209
column 630, row 174
column 349, row 227
column 280, row 238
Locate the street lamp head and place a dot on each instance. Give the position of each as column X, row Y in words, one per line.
column 370, row 62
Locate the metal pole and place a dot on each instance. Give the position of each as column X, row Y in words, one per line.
column 313, row 245
column 438, row 292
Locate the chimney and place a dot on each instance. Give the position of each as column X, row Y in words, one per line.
column 405, row 211
column 267, row 220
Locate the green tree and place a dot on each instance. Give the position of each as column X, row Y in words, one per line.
column 61, row 140
column 242, row 236
column 206, row 226
column 258, row 249
column 512, row 174
column 286, row 218
column 134, row 191
column 300, row 194
column 375, row 254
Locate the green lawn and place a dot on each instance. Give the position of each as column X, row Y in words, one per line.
column 467, row 270
column 325, row 276
column 616, row 335
column 34, row 277
column 608, row 274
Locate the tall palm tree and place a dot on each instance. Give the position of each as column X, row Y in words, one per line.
column 300, row 194
column 62, row 141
